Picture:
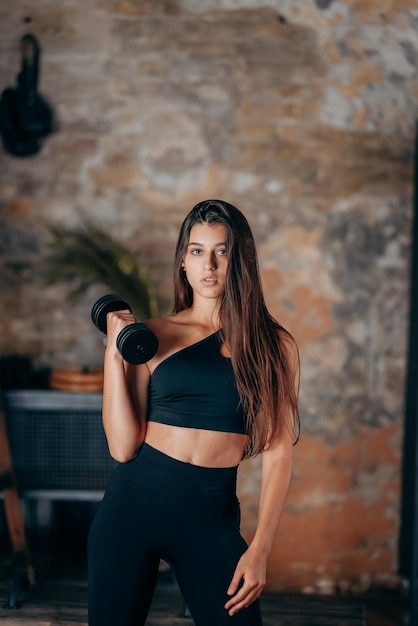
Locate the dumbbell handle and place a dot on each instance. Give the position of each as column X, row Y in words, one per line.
column 136, row 342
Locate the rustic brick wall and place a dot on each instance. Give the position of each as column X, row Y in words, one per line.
column 303, row 114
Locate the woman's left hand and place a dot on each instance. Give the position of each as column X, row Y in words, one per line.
column 248, row 581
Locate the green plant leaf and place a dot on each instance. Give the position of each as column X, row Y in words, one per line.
column 89, row 255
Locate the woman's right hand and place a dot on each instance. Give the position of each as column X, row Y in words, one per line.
column 116, row 321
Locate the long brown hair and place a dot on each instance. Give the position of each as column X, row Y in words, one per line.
column 260, row 347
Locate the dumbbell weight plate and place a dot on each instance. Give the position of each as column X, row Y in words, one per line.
column 104, row 305
column 137, row 343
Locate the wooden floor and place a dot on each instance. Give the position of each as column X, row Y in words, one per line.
column 65, row 605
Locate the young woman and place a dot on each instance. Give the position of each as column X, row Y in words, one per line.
column 223, row 386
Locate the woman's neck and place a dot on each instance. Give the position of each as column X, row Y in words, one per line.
column 204, row 315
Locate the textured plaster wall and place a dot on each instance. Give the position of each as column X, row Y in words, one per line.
column 303, row 117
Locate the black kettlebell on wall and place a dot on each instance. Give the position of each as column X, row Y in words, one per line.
column 136, row 342
column 25, row 117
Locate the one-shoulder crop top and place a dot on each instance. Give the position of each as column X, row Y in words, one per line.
column 195, row 388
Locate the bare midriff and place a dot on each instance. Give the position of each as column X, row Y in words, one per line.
column 206, row 448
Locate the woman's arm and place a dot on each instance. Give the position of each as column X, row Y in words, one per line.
column 277, row 462
column 125, row 391
column 275, row 481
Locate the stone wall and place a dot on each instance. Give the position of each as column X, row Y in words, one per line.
column 302, row 116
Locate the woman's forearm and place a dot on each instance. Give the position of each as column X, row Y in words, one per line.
column 275, row 481
column 124, row 429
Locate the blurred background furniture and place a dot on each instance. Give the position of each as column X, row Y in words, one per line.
column 61, row 462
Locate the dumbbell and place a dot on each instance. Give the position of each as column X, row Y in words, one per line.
column 136, row 342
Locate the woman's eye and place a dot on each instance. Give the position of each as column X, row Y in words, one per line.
column 196, row 251
column 221, row 252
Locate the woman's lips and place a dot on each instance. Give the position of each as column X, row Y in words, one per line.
column 209, row 279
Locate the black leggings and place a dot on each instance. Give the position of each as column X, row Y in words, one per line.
column 157, row 507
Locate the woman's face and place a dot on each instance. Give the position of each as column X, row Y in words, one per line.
column 206, row 260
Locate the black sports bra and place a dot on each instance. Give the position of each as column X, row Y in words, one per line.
column 195, row 388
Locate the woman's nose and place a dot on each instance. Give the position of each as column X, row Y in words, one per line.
column 210, row 261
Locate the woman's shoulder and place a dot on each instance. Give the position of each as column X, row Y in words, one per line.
column 285, row 335
column 169, row 326
column 288, row 345
column 180, row 329
column 166, row 322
